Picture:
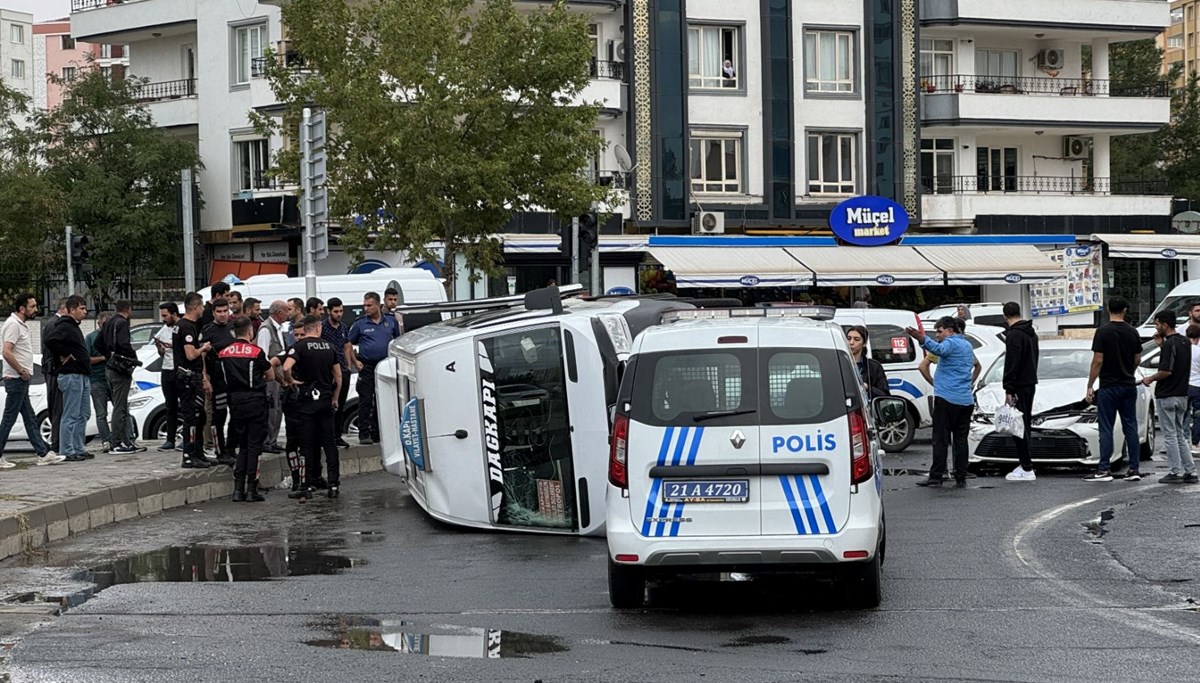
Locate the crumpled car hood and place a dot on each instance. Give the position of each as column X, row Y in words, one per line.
column 1055, row 395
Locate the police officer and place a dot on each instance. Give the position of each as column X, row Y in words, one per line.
column 302, row 480
column 245, row 371
column 219, row 336
column 189, row 379
column 372, row 332
column 312, row 366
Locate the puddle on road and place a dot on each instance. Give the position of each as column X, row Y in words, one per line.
column 357, row 633
column 198, row 563
column 1099, row 527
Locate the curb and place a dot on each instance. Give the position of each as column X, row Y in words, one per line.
column 31, row 528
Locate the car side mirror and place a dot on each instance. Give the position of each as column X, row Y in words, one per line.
column 888, row 409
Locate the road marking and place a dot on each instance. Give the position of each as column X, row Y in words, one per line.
column 1138, row 617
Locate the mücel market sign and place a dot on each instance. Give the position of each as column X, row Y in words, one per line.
column 869, row 221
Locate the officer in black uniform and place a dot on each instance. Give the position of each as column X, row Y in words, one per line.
column 189, row 380
column 245, row 371
column 291, row 420
column 312, row 366
column 219, row 336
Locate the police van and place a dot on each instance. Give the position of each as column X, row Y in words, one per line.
column 499, row 418
column 743, row 441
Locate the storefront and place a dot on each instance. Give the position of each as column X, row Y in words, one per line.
column 1143, row 268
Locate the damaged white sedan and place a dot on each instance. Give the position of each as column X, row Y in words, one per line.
column 1065, row 429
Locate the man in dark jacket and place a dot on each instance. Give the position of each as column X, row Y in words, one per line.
column 119, row 373
column 1020, row 381
column 64, row 341
column 50, row 372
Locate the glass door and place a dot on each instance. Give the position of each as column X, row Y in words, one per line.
column 996, row 169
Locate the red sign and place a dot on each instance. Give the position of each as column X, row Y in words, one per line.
column 900, row 346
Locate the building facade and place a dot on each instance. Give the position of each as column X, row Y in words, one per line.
column 16, row 51
column 1178, row 42
column 56, row 55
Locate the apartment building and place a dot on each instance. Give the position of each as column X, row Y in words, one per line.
column 1178, row 41
column 16, row 51
column 57, row 54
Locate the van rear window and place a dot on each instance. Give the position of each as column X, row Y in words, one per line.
column 777, row 386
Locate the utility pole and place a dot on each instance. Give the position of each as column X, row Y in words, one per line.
column 316, row 205
column 574, row 250
column 70, row 262
column 189, row 242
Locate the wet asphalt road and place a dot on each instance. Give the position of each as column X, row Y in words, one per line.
column 1060, row 580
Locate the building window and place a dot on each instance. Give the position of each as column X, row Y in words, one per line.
column 829, row 61
column 18, row 69
column 17, row 33
column 712, row 57
column 594, row 37
column 716, row 162
column 106, row 51
column 937, row 59
column 937, row 166
column 1177, row 16
column 68, row 73
column 68, row 43
column 1175, row 42
column 832, row 162
column 252, row 158
column 107, row 73
column 249, row 44
column 996, row 169
column 999, row 65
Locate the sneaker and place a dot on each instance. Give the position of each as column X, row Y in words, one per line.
column 200, row 464
column 88, row 456
column 1133, row 475
column 1191, row 478
column 318, row 483
column 1102, row 475
column 226, row 459
column 333, row 492
column 1021, row 474
column 167, row 446
column 123, row 449
column 51, row 459
column 73, row 458
column 5, row 464
column 106, row 447
column 929, row 481
column 1196, row 449
column 1170, row 478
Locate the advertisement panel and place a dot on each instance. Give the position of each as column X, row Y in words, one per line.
column 1078, row 291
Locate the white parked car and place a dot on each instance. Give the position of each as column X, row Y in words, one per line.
column 988, row 313
column 1065, row 429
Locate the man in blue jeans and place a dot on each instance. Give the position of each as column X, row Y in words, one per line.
column 18, row 370
column 1116, row 352
column 67, row 344
column 953, row 400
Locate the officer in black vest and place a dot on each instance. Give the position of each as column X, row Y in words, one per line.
column 245, row 371
column 219, row 335
column 312, row 366
column 189, row 375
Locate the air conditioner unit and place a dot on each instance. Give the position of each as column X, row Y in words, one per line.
column 619, row 52
column 1051, row 59
column 1075, row 147
column 708, row 223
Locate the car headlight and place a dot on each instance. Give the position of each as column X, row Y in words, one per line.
column 140, row 401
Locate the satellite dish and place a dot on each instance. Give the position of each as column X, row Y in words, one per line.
column 1186, row 222
column 624, row 161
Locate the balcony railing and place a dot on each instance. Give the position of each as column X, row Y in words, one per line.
column 291, row 59
column 611, row 70
column 84, row 5
column 262, row 181
column 1041, row 184
column 1034, row 85
column 165, row 90
column 614, row 179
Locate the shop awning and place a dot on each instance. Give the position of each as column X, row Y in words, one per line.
column 992, row 264
column 733, row 267
column 852, row 266
column 516, row 243
column 1151, row 246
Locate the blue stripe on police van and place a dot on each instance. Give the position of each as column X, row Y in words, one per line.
column 656, row 483
column 791, row 499
column 661, row 527
column 816, row 484
column 808, row 505
column 691, row 460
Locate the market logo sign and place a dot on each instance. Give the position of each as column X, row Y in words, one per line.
column 1169, row 253
column 749, row 281
column 886, row 280
column 1012, row 278
column 869, row 221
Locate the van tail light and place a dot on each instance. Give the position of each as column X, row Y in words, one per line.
column 920, row 325
column 860, row 455
column 618, row 475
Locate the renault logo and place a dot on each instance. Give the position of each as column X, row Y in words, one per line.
column 737, row 439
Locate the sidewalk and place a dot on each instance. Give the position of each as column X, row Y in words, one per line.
column 39, row 505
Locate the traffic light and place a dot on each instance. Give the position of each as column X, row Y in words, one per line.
column 79, row 252
column 589, row 237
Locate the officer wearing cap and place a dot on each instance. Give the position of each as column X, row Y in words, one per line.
column 245, row 371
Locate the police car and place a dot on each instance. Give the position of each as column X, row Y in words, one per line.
column 743, row 441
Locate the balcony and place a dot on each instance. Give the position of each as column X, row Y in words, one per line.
column 1072, row 103
column 618, row 180
column 171, row 103
column 129, row 21
column 957, row 200
column 1126, row 19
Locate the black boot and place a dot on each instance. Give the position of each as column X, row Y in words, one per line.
column 302, row 493
column 239, row 489
column 253, row 495
column 226, row 458
column 259, row 487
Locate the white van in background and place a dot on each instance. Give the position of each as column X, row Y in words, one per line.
column 1179, row 301
column 415, row 285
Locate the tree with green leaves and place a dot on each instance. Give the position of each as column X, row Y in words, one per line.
column 1133, row 65
column 1179, row 142
column 448, row 117
column 119, row 174
column 32, row 208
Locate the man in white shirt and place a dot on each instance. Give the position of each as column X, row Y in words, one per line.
column 18, row 370
column 164, row 340
column 271, row 340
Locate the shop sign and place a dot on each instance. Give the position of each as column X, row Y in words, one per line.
column 1012, row 278
column 749, row 281
column 869, row 221
column 1169, row 253
column 885, row 279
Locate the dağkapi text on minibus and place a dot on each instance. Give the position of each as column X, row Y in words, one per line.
column 867, row 223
